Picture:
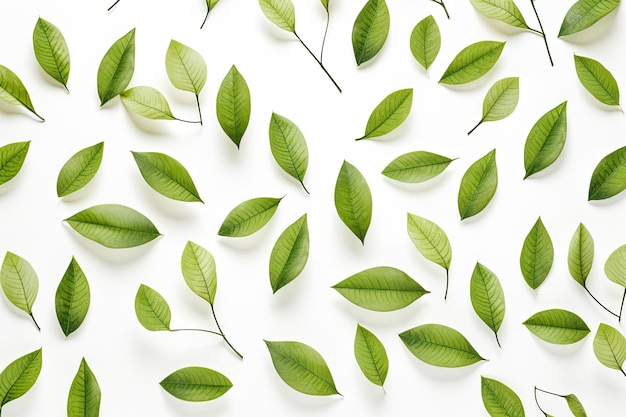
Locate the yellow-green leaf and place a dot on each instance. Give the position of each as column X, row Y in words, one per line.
column 472, row 62
column 51, row 51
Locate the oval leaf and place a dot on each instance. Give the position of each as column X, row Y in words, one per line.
column 289, row 254
column 249, row 217
column 580, row 255
column 147, row 102
column 185, row 67
column 609, row 346
column 418, row 166
column 382, row 288
column 597, row 80
column 233, row 105
column 72, row 298
column 389, row 114
column 281, row 13
column 478, row 186
column 302, row 368
column 500, row 101
column 51, row 51
column 199, row 272
column 425, row 41
column 503, row 10
column 12, row 158
column 500, row 400
column 288, row 147
column 487, row 297
column 575, row 406
column 114, row 226
column 151, row 309
column 19, row 283
column 19, row 377
column 116, row 68
column 12, row 91
column 472, row 62
column 371, row 356
column 609, row 176
column 79, row 170
column 370, row 30
column 557, row 326
column 545, row 140
column 537, row 255
column 84, row 397
column 584, row 13
column 615, row 266
column 195, row 383
column 353, row 200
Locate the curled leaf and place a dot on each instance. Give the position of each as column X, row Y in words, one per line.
column 370, row 30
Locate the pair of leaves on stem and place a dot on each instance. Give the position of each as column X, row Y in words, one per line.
column 597, row 80
column 584, row 14
column 370, row 30
column 19, row 377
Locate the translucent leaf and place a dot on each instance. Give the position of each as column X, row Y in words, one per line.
column 84, row 397
column 609, row 176
column 537, row 255
column 500, row 101
column 499, row 399
column 19, row 283
column 609, row 346
column 72, row 298
column 185, row 67
column 580, row 254
column 151, row 309
column 51, row 51
column 19, row 377
column 12, row 91
column 370, row 30
column 597, row 80
column 199, row 272
column 585, row 13
column 545, row 140
column 79, row 170
column 249, row 217
column 371, row 356
column 289, row 254
column 575, row 406
column 472, row 62
column 425, row 41
column 389, row 114
column 233, row 105
column 195, row 383
column 147, row 102
column 503, row 10
column 557, row 326
column 116, row 68
column 12, row 158
column 615, row 266
column 478, row 186
column 487, row 297
column 281, row 13
column 289, row 147
column 418, row 166
column 353, row 200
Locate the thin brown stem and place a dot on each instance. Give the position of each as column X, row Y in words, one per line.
column 113, row 5
column 206, row 16
column 542, row 32
column 35, row 321
column 197, row 330
column 599, row 303
column 199, row 111
column 442, row 4
column 537, row 401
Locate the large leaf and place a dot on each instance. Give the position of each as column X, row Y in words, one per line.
column 233, row 105
column 12, row 158
column 288, row 147
column 615, row 266
column 537, row 255
column 478, row 186
column 381, row 288
column 147, row 102
column 585, row 13
column 114, row 226
column 425, row 41
column 500, row 101
column 166, row 176
column 440, row 345
column 84, row 397
column 370, row 30
column 302, row 368
column 371, row 356
column 609, row 346
column 19, row 283
column 19, row 377
column 199, row 271
column 472, row 62
column 609, row 176
column 151, row 309
column 116, row 68
column 195, row 383
column 499, row 399
column 580, row 254
column 353, row 200
column 12, row 91
column 51, row 51
column 487, row 297
column 545, row 140
column 281, row 13
column 289, row 254
column 80, row 169
column 597, row 80
column 557, row 326
column 575, row 405
column 389, row 114
column 249, row 217
column 72, row 298
column 185, row 67
column 418, row 166
column 503, row 10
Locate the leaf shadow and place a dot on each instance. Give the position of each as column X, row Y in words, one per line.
column 608, row 201
column 562, row 351
column 17, row 110
column 246, row 243
column 594, row 33
column 9, row 185
column 378, row 318
column 199, row 409
column 442, row 374
column 417, row 187
column 149, row 126
column 172, row 208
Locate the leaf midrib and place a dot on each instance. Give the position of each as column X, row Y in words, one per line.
column 116, row 75
column 369, row 31
column 25, row 368
column 473, row 61
column 288, row 148
column 330, row 385
column 584, row 63
column 478, row 186
column 54, row 58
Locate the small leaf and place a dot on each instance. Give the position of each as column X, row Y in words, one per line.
column 580, row 254
column 51, row 51
column 12, row 158
column 609, row 176
column 575, row 406
column 12, row 91
column 478, row 186
column 425, row 41
column 389, row 114
column 19, row 283
column 418, row 166
column 302, row 368
column 500, row 101
column 151, row 309
column 114, row 226
column 503, row 10
column 615, row 266
column 381, row 288
column 353, row 200
column 233, row 105
column 116, row 68
column 289, row 254
column 472, row 62
column 546, row 140
column 537, row 255
column 195, row 383
column 147, row 102
column 288, row 147
column 281, row 13
column 185, row 67
column 557, row 326
column 499, row 399
column 19, row 377
column 249, row 217
column 370, row 30
column 440, row 345
column 371, row 356
column 487, row 297
column 199, row 272
column 72, row 298
column 609, row 346
column 84, row 397
column 597, row 80
column 585, row 13
column 79, row 170
column 166, row 176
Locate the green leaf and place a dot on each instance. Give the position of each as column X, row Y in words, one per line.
column 325, row 4
column 585, row 13
column 499, row 399
column 609, row 176
column 281, row 13
column 151, row 309
column 389, row 114
column 302, row 368
column 51, row 51
column 615, row 266
column 147, row 102
column 580, row 254
column 114, row 226
column 249, row 217
column 116, row 68
column 478, row 186
column 79, row 170
column 381, row 288
column 425, row 41
column 288, row 147
column 597, row 80
column 440, row 345
column 537, row 255
column 503, row 10
column 609, row 346
column 487, row 297
column 19, row 377
column 575, row 406
column 371, row 356
column 370, row 30
column 199, row 272
column 166, row 176
column 557, row 326
column 195, row 383
column 12, row 158
column 233, row 105
column 12, row 91
column 84, row 397
column 19, row 283
column 418, row 166
column 185, row 67
column 353, row 200
column 289, row 254
column 500, row 101
column 72, row 298
column 545, row 140
column 472, row 62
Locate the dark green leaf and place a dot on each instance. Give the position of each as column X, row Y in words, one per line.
column 19, row 377
column 84, row 397
column 353, row 200
column 609, row 176
column 80, row 169
column 72, row 298
column 370, row 30
column 116, row 68
column 500, row 400
column 597, row 80
column 487, row 297
column 233, row 105
column 545, row 140
column 289, row 254
column 12, row 91
column 195, row 383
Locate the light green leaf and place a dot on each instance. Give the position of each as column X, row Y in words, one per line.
column 12, row 91
column 147, row 102
column 425, row 41
column 472, row 62
column 487, row 297
column 233, row 105
column 580, row 254
column 478, row 186
column 199, row 272
column 370, row 30
column 503, row 10
column 72, row 298
column 615, row 266
column 12, row 158
column 609, row 346
column 80, row 169
column 500, row 101
column 19, row 283
column 575, row 406
column 51, row 51
column 371, row 356
column 249, row 217
column 288, row 147
column 166, row 176
column 418, row 166
column 302, row 368
column 546, row 140
column 440, row 345
column 289, row 254
column 557, row 326
column 389, row 114
column 381, row 288
column 19, row 377
column 537, row 255
column 499, row 399
column 609, row 176
column 597, row 80
column 353, row 200
column 585, row 13
column 185, row 67
column 84, row 397
column 325, row 4
column 195, row 383
column 151, row 309
column 116, row 68
column 281, row 13
column 114, row 226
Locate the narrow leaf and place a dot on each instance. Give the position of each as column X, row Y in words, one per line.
column 19, row 283
column 615, row 266
column 478, row 186
column 546, row 140
column 19, row 377
column 281, row 13
column 12, row 158
column 499, row 399
column 116, row 68
column 249, row 217
column 425, row 41
column 195, row 383
column 370, row 30
column 289, row 147
column 580, row 254
column 505, row 11
column 575, row 406
column 85, row 395
column 353, row 200
column 185, row 67
column 609, row 176
column 389, row 114
column 233, row 105
column 597, row 80
column 72, row 298
column 371, row 356
column 199, row 272
column 609, row 346
column 51, row 51
column 557, row 326
column 487, row 297
column 500, row 101
column 289, row 254
column 147, row 102
column 585, row 13
column 418, row 166
column 537, row 255
column 12, row 91
column 472, row 62
column 79, row 170
column 151, row 309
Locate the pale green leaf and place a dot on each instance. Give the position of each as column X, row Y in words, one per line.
column 418, row 166
column 84, row 397
column 289, row 254
column 370, row 30
column 19, row 377
column 503, row 10
column 557, row 326
column 597, row 80
column 537, row 255
column 615, row 266
column 72, row 298
column 151, row 309
column 580, row 254
column 199, row 271
column 500, row 101
column 371, row 356
column 51, row 51
column 289, row 147
column 80, row 169
column 281, row 13
column 575, row 406
column 147, row 102
column 353, row 200
column 499, row 399
column 185, row 67
column 249, row 217
column 478, row 186
column 425, row 41
column 609, row 176
column 609, row 346
column 585, row 13
column 12, row 158
column 19, row 283
column 546, row 140
column 195, row 383
column 233, row 105
column 472, row 62
column 389, row 114
column 487, row 297
column 116, row 68
column 12, row 91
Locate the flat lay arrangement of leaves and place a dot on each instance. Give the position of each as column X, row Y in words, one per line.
column 378, row 243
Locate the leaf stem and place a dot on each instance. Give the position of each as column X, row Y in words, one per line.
column 197, row 330
column 440, row 2
column 35, row 321
column 542, row 32
column 475, row 127
column 325, row 33
column 113, row 5
column 445, row 295
column 537, row 400
column 598, row 301
column 318, row 61
column 303, row 186
column 621, row 310
column 199, row 111
column 498, row 339
column 222, row 333
column 208, row 10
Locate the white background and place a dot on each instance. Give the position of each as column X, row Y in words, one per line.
column 129, row 361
